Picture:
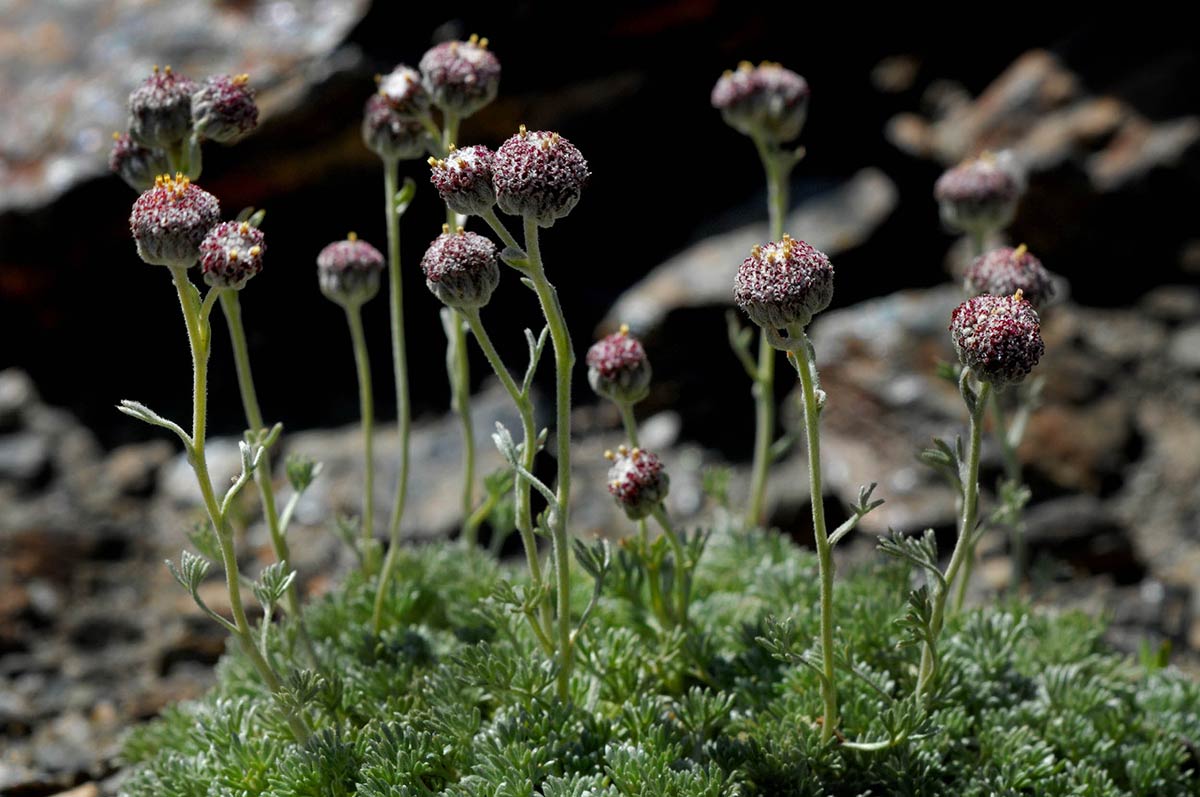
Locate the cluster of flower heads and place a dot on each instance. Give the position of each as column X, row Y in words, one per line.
column 171, row 112
column 457, row 77
column 177, row 223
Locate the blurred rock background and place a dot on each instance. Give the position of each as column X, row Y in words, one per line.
column 93, row 632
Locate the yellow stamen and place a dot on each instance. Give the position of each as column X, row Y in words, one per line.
column 1019, row 295
column 351, row 236
column 255, row 251
column 116, row 136
column 522, row 132
column 483, row 43
column 609, row 455
column 461, row 231
column 445, row 229
column 451, row 147
column 1020, row 251
column 167, row 69
column 242, row 79
column 745, row 66
column 473, row 38
column 624, row 329
column 244, row 227
column 432, row 161
column 233, row 255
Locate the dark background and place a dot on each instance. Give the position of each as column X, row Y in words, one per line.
column 629, row 85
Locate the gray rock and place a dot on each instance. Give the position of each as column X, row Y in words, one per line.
column 24, row 456
column 1184, row 351
column 17, row 394
column 60, row 108
column 702, row 275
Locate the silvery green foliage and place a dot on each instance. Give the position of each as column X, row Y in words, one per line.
column 454, row 698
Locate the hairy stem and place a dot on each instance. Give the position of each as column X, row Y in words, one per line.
column 198, row 340
column 564, row 362
column 763, row 388
column 812, row 432
column 962, row 546
column 391, row 171
column 681, row 565
column 366, row 402
column 232, row 308
column 524, row 514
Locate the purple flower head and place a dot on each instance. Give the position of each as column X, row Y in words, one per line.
column 160, row 109
column 170, row 220
column 1004, row 271
column 390, row 134
column 231, row 254
column 404, row 91
column 618, row 369
column 461, row 77
column 998, row 337
column 464, row 179
column 765, row 100
column 539, row 176
column 637, row 480
column 784, row 283
column 135, row 164
column 978, row 195
column 348, row 271
column 224, row 110
column 461, row 268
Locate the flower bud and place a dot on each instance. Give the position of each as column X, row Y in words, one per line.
column 637, row 480
column 389, row 134
column 461, row 268
column 464, row 179
column 539, row 176
column 404, row 91
column 348, row 271
column 978, row 195
column 784, row 283
column 135, row 164
column 160, row 110
column 462, row 77
column 618, row 369
column 765, row 100
column 231, row 254
column 998, row 337
column 170, row 220
column 1004, row 271
column 224, row 110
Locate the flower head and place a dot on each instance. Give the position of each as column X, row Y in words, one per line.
column 170, row 220
column 390, row 134
column 784, row 283
column 978, row 195
column 461, row 268
column 160, row 109
column 1004, row 271
column 135, row 164
column 765, row 100
column 464, row 179
column 348, row 271
column 618, row 369
column 231, row 254
column 998, row 337
column 462, row 77
column 223, row 109
column 405, row 92
column 539, row 176
column 637, row 480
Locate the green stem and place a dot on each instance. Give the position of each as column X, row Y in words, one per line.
column 629, row 421
column 524, row 512
column 681, row 565
column 499, row 228
column 198, row 340
column 232, row 308
column 763, row 389
column 656, row 600
column 391, row 176
column 1012, row 473
column 812, row 431
column 564, row 361
column 461, row 383
column 978, row 242
column 962, row 547
column 366, row 401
